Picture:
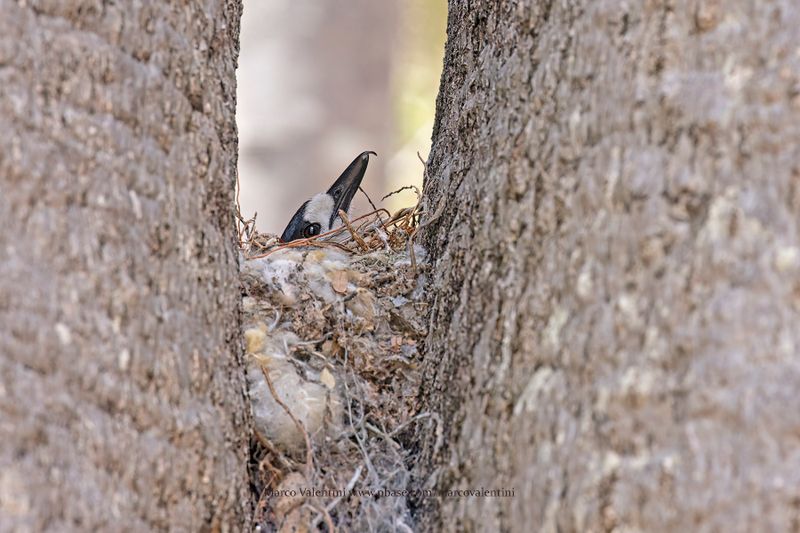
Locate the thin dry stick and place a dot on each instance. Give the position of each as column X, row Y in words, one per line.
column 356, row 236
column 435, row 216
column 309, row 450
column 402, row 216
column 266, row 463
column 238, row 205
column 408, row 422
column 369, row 200
column 244, row 227
column 328, row 521
column 276, row 474
column 424, row 167
column 314, row 241
column 401, row 189
column 336, row 500
column 356, row 434
column 323, row 512
column 374, row 209
column 285, row 463
column 428, row 222
column 299, row 243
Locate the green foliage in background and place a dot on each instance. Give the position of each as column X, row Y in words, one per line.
column 418, row 66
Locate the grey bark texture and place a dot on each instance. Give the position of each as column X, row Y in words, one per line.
column 616, row 291
column 121, row 396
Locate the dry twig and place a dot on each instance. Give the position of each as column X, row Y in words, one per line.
column 309, row 449
column 356, row 236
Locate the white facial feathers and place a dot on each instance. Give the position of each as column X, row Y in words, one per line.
column 319, row 209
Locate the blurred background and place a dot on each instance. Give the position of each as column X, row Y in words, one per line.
column 320, row 82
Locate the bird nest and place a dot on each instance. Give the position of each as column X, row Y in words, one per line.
column 332, row 328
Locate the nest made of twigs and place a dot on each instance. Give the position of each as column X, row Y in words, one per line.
column 379, row 377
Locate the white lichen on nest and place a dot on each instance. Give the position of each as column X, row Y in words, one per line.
column 308, row 394
column 331, row 335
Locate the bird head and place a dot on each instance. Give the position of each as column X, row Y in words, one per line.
column 319, row 214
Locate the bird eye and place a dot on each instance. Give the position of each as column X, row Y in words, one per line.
column 311, row 230
column 336, row 192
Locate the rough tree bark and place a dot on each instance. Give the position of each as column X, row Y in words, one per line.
column 121, row 398
column 614, row 329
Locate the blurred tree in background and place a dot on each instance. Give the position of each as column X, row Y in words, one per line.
column 416, row 74
column 321, row 81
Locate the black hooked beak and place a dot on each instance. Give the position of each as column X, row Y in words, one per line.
column 345, row 187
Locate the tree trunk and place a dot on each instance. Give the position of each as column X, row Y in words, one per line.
column 121, row 396
column 614, row 327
